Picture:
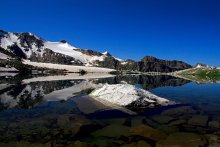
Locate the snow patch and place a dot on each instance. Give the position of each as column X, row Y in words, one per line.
column 124, row 63
column 105, row 53
column 8, row 40
column 4, row 56
column 67, row 49
column 118, row 59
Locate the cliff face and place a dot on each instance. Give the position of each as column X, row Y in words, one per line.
column 52, row 57
column 147, row 64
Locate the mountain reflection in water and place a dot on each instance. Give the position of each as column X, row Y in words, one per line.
column 16, row 93
column 57, row 111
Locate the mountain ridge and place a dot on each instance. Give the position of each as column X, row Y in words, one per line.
column 26, row 45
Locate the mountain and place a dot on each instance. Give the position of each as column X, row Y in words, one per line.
column 31, row 47
column 147, row 64
column 201, row 65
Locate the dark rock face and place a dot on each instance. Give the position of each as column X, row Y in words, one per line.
column 147, row 64
column 51, row 57
column 156, row 65
column 109, row 62
column 149, row 59
column 130, row 66
column 18, row 52
column 89, row 52
column 63, row 41
column 108, row 54
column 27, row 40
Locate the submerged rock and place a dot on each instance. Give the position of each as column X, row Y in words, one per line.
column 198, row 120
column 140, row 143
column 178, row 122
column 114, row 131
column 162, row 119
column 179, row 111
column 147, row 132
column 214, row 124
column 182, row 139
column 128, row 95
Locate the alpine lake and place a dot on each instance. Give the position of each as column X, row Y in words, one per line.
column 57, row 111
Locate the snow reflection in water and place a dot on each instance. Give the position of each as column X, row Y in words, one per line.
column 60, row 112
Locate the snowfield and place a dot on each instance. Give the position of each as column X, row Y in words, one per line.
column 4, row 56
column 126, row 94
column 69, row 68
column 69, row 50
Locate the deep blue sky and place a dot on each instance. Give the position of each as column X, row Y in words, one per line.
column 187, row 30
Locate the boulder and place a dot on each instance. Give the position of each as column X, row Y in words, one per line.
column 147, row 132
column 214, row 124
column 198, row 120
column 182, row 139
column 178, row 122
column 179, row 111
column 112, row 130
column 140, row 143
column 162, row 119
column 128, row 95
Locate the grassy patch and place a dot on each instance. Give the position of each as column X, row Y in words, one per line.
column 204, row 74
column 213, row 74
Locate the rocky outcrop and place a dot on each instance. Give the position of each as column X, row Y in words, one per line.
column 109, row 62
column 147, row 64
column 28, row 39
column 89, row 52
column 129, row 96
column 51, row 57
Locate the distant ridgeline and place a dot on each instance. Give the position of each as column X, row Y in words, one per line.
column 18, row 46
column 202, row 73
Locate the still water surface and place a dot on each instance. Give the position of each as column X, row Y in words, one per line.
column 58, row 111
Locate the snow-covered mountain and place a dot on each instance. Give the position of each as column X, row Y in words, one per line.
column 200, row 65
column 34, row 48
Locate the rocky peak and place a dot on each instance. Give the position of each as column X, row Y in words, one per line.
column 130, row 60
column 89, row 52
column 63, row 41
column 28, row 39
column 107, row 53
column 149, row 59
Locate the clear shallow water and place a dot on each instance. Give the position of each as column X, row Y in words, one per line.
column 202, row 96
column 60, row 112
